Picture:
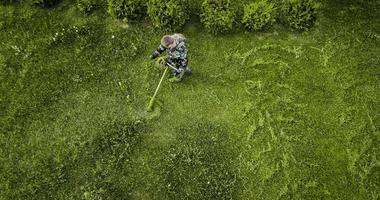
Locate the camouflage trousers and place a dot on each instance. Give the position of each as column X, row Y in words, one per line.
column 181, row 65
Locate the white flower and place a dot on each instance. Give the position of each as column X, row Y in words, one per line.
column 113, row 36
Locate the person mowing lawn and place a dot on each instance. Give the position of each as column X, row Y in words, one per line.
column 177, row 55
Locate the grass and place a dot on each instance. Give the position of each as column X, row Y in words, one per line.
column 273, row 115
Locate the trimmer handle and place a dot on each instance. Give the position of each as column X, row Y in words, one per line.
column 171, row 66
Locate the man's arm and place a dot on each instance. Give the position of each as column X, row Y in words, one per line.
column 180, row 52
column 158, row 51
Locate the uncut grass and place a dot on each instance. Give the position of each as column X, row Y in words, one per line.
column 265, row 115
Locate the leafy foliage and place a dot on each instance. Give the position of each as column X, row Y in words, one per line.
column 301, row 14
column 168, row 14
column 217, row 16
column 46, row 3
column 7, row 1
column 127, row 9
column 258, row 15
column 194, row 7
column 87, row 6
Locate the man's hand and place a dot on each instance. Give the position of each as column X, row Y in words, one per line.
column 180, row 70
column 154, row 55
column 164, row 62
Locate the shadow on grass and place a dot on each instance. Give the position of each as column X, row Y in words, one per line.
column 200, row 164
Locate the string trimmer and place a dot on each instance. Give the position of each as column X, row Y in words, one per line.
column 150, row 105
column 151, row 102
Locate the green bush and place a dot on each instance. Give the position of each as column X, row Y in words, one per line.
column 258, row 15
column 87, row 6
column 7, row 1
column 194, row 6
column 45, row 3
column 217, row 16
column 168, row 14
column 300, row 14
column 127, row 9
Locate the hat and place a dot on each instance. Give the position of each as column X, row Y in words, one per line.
column 167, row 40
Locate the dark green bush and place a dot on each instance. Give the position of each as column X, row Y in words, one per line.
column 87, row 6
column 258, row 15
column 168, row 14
column 7, row 1
column 127, row 9
column 217, row 16
column 193, row 7
column 300, row 14
column 46, row 3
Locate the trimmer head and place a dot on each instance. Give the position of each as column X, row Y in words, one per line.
column 152, row 111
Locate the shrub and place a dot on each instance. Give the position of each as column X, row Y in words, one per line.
column 193, row 7
column 45, row 3
column 258, row 15
column 217, row 16
column 168, row 14
column 127, row 9
column 300, row 14
column 7, row 1
column 87, row 6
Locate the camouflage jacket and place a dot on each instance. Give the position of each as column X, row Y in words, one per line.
column 179, row 52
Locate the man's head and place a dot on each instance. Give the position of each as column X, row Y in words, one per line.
column 168, row 41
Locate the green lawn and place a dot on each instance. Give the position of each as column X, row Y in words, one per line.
column 270, row 115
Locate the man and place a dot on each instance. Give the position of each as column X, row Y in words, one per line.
column 177, row 55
